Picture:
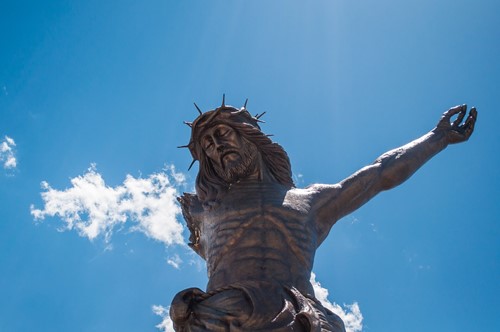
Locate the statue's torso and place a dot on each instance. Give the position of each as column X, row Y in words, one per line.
column 259, row 232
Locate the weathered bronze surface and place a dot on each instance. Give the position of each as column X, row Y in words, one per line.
column 258, row 233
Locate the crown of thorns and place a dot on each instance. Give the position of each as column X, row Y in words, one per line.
column 222, row 114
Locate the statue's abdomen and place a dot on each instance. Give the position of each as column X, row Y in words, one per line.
column 264, row 243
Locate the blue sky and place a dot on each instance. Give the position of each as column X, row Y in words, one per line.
column 92, row 99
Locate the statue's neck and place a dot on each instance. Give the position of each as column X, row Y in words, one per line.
column 254, row 183
column 259, row 182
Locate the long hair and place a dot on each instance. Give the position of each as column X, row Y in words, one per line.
column 209, row 185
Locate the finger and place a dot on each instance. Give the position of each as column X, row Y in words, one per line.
column 468, row 131
column 460, row 117
column 454, row 110
column 473, row 112
column 470, row 123
column 471, row 119
column 470, row 126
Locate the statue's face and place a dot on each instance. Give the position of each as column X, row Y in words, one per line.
column 232, row 156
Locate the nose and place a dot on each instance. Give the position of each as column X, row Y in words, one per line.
column 219, row 145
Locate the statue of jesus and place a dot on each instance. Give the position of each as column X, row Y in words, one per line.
column 259, row 233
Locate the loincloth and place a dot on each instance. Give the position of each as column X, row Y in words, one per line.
column 251, row 306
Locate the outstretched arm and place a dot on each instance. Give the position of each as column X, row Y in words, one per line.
column 332, row 202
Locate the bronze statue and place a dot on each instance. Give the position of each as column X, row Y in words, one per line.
column 258, row 233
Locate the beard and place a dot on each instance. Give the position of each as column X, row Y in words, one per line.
column 242, row 167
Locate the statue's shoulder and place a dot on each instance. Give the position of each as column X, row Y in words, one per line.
column 297, row 193
column 319, row 190
column 299, row 199
column 192, row 210
column 313, row 196
column 308, row 192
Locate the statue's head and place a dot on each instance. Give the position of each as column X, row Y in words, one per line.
column 230, row 146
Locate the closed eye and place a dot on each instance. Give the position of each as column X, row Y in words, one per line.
column 222, row 131
column 207, row 142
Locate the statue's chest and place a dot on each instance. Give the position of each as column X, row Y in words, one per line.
column 261, row 206
column 265, row 220
column 263, row 229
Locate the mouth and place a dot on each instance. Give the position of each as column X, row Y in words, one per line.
column 228, row 156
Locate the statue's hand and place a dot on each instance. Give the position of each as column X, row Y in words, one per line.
column 456, row 131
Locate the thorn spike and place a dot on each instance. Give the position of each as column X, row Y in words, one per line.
column 191, row 165
column 259, row 116
column 190, row 124
column 199, row 111
column 223, row 100
column 183, row 146
column 245, row 105
column 270, row 135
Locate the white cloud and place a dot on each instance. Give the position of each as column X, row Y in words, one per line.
column 92, row 208
column 166, row 324
column 351, row 315
column 175, row 261
column 7, row 153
